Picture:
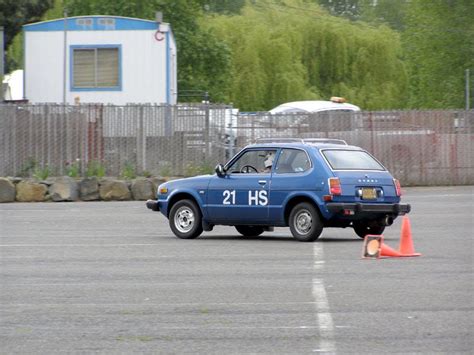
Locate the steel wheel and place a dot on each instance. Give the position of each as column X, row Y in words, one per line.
column 185, row 220
column 305, row 223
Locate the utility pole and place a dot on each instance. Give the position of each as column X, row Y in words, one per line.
column 65, row 57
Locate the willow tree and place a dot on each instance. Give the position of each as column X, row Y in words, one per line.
column 439, row 47
column 294, row 50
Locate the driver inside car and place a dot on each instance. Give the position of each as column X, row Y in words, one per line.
column 268, row 163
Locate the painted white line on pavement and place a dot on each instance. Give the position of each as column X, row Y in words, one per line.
column 325, row 323
column 73, row 245
column 154, row 304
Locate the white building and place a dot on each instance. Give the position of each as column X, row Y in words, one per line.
column 13, row 86
column 100, row 59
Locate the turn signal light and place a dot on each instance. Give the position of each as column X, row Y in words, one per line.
column 398, row 189
column 335, row 186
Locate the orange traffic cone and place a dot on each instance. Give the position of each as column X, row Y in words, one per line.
column 386, row 251
column 406, row 242
column 374, row 247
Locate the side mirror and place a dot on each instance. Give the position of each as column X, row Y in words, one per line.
column 220, row 171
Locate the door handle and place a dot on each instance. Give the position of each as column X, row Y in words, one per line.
column 262, row 182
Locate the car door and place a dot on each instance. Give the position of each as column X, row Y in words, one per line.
column 242, row 195
column 289, row 176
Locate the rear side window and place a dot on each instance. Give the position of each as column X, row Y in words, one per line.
column 351, row 160
column 292, row 161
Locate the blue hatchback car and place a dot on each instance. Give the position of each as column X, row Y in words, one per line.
column 305, row 184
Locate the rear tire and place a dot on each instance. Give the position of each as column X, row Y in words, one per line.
column 364, row 228
column 249, row 231
column 185, row 220
column 305, row 223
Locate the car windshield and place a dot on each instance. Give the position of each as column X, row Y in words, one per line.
column 340, row 159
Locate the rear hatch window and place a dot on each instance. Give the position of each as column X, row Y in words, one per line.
column 340, row 159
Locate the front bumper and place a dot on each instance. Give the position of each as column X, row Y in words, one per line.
column 386, row 208
column 152, row 205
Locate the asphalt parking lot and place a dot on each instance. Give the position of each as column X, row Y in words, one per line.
column 108, row 277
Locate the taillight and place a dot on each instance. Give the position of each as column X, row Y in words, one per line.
column 398, row 189
column 335, row 186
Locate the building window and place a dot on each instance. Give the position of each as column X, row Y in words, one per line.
column 85, row 23
column 107, row 23
column 95, row 68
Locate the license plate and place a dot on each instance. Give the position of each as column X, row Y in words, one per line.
column 369, row 194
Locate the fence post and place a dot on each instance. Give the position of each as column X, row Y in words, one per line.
column 49, row 147
column 232, row 134
column 207, row 123
column 168, row 125
column 140, row 142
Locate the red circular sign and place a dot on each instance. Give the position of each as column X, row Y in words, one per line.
column 159, row 36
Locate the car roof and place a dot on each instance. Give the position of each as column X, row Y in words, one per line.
column 313, row 106
column 318, row 143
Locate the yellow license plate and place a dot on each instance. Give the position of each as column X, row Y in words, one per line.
column 369, row 194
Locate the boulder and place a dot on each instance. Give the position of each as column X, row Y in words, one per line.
column 142, row 189
column 64, row 189
column 89, row 189
column 30, row 191
column 7, row 190
column 114, row 190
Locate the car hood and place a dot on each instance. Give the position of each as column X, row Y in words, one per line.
column 195, row 182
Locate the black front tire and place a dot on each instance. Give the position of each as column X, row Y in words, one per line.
column 305, row 222
column 185, row 220
column 249, row 231
column 364, row 228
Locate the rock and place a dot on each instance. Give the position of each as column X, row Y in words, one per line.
column 114, row 190
column 64, row 189
column 142, row 189
column 89, row 189
column 7, row 190
column 15, row 180
column 30, row 191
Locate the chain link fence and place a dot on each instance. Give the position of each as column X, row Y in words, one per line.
column 143, row 139
column 418, row 147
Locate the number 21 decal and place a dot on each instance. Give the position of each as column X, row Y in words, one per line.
column 229, row 197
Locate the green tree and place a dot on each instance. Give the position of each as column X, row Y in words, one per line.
column 439, row 46
column 388, row 12
column 224, row 6
column 346, row 8
column 13, row 15
column 293, row 50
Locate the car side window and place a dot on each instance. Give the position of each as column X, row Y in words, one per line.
column 292, row 161
column 253, row 162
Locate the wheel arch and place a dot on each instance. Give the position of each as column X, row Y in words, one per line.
column 184, row 195
column 295, row 200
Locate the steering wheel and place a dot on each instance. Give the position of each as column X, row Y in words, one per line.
column 247, row 168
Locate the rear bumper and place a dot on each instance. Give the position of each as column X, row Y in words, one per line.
column 152, row 205
column 386, row 208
